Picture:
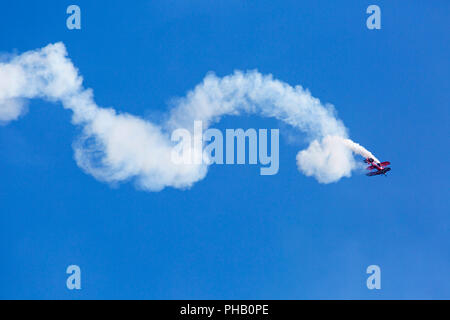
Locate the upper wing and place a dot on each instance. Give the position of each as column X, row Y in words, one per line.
column 384, row 164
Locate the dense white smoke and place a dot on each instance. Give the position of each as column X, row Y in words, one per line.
column 117, row 147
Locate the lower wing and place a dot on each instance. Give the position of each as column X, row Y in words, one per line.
column 375, row 173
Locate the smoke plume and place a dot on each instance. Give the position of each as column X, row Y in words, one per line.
column 116, row 147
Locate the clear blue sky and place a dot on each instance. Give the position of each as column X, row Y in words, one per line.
column 235, row 234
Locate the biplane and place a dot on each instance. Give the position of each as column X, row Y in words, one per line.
column 379, row 168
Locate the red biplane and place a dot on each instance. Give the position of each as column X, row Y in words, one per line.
column 381, row 168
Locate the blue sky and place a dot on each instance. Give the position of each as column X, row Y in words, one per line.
column 235, row 234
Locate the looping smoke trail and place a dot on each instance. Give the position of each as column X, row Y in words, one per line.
column 115, row 147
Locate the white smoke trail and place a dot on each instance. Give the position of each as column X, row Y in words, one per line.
column 118, row 147
column 359, row 149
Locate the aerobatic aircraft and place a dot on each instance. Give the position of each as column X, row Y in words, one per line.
column 381, row 168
